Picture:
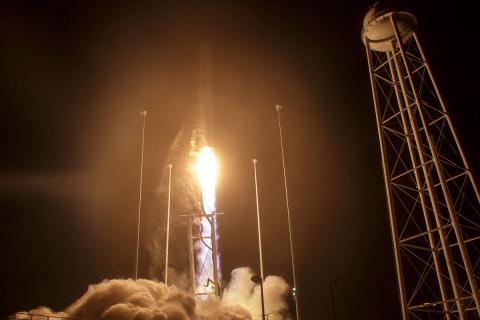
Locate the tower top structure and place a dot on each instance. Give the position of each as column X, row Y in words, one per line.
column 378, row 30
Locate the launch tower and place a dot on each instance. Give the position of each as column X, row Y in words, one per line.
column 432, row 198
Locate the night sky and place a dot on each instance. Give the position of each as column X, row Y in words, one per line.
column 74, row 77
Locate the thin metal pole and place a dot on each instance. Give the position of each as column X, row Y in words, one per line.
column 388, row 192
column 144, row 114
column 292, row 255
column 332, row 299
column 213, row 235
column 168, row 221
column 259, row 237
column 190, row 253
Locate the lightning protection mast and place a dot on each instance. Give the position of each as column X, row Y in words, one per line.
column 432, row 198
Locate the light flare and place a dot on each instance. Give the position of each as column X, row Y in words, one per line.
column 207, row 170
column 207, row 175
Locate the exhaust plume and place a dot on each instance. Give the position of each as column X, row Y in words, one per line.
column 207, row 176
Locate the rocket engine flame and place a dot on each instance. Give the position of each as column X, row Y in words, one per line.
column 207, row 175
column 208, row 258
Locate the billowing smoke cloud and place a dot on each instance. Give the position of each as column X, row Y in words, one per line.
column 242, row 291
column 127, row 299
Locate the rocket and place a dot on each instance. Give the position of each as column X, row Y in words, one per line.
column 205, row 94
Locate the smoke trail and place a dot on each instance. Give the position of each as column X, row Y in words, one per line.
column 153, row 230
column 185, row 199
column 194, row 193
column 127, row 299
column 199, row 175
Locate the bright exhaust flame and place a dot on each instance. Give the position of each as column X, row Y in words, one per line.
column 207, row 175
column 208, row 261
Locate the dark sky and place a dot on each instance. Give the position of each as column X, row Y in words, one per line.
column 75, row 75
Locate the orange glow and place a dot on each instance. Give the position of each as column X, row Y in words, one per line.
column 207, row 175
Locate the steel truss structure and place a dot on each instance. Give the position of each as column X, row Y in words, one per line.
column 203, row 254
column 433, row 200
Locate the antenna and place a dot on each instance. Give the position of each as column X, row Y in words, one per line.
column 168, row 222
column 144, row 114
column 287, row 203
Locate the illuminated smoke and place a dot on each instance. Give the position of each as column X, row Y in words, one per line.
column 193, row 193
column 178, row 279
column 39, row 313
column 127, row 299
column 243, row 292
column 130, row 299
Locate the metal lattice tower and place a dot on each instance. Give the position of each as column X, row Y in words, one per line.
column 433, row 200
column 203, row 254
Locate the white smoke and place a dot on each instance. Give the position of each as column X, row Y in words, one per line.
column 242, row 291
column 241, row 298
column 127, row 299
